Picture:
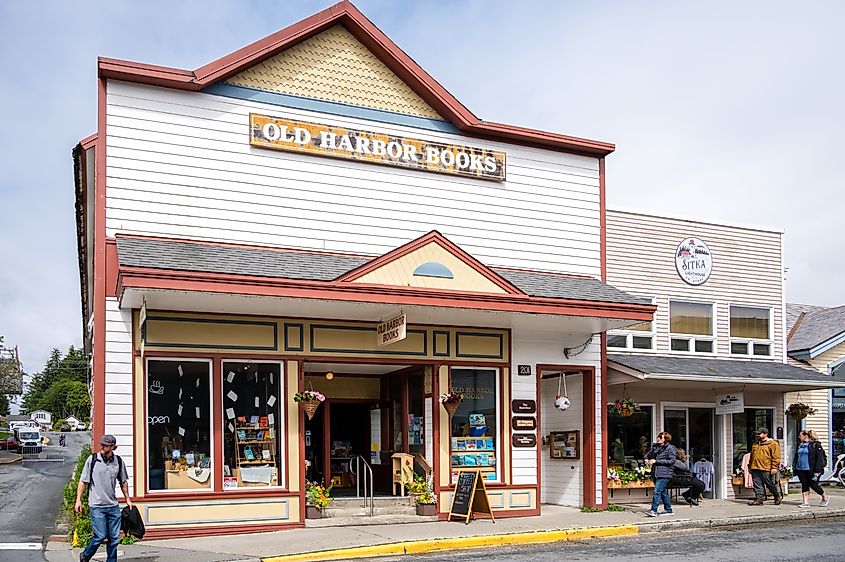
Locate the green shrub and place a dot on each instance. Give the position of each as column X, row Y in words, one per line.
column 79, row 524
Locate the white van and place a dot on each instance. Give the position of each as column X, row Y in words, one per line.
column 28, row 439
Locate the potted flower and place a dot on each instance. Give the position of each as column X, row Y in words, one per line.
column 309, row 400
column 317, row 497
column 738, row 478
column 451, row 401
column 623, row 407
column 799, row 411
column 427, row 501
column 416, row 488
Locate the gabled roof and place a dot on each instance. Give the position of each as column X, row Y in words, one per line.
column 137, row 253
column 816, row 330
column 380, row 45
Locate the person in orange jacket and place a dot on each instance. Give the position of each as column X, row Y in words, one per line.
column 764, row 465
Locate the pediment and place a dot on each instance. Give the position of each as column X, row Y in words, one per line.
column 334, row 66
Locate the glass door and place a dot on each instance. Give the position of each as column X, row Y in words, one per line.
column 675, row 422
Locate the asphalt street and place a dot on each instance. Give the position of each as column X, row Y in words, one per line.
column 30, row 497
column 819, row 542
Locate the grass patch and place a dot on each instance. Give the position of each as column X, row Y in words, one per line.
column 614, row 507
column 610, row 507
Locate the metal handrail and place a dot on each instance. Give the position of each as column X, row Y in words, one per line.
column 368, row 477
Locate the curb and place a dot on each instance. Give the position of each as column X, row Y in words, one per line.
column 13, row 458
column 739, row 521
column 424, row 546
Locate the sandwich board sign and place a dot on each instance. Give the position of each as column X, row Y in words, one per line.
column 470, row 497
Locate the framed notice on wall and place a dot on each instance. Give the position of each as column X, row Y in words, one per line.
column 565, row 444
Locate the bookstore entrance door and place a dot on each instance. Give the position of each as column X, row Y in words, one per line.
column 370, row 413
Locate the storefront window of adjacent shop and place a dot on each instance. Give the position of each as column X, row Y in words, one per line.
column 744, row 425
column 691, row 327
column 252, row 418
column 751, row 331
column 416, row 414
column 178, row 424
column 474, row 433
column 630, row 436
column 838, row 426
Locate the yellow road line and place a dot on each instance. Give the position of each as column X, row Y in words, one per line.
column 423, row 546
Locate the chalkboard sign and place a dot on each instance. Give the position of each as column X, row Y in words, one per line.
column 470, row 497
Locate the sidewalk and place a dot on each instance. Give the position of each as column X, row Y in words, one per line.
column 8, row 457
column 555, row 524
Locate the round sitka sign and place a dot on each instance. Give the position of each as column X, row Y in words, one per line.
column 693, row 261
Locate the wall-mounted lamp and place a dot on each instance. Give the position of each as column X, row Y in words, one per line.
column 329, row 375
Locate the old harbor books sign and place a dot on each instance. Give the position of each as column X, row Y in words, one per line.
column 376, row 148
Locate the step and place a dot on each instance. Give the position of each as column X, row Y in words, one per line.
column 354, row 511
column 377, row 501
column 365, row 520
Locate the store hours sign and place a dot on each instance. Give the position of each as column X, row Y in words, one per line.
column 376, row 148
column 693, row 261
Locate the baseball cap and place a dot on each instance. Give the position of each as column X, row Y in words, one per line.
column 108, row 439
column 762, row 430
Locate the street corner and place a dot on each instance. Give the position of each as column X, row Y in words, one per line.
column 7, row 457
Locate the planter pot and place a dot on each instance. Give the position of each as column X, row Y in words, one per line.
column 738, row 481
column 427, row 509
column 615, row 484
column 313, row 512
column 798, row 417
column 310, row 407
column 451, row 407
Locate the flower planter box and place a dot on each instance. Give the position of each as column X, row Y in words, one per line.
column 615, row 484
column 427, row 509
column 313, row 512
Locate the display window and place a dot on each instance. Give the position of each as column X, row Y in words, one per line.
column 179, row 424
column 630, row 436
column 474, row 442
column 252, row 424
column 744, row 425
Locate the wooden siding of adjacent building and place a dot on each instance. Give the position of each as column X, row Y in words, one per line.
column 118, row 411
column 180, row 165
column 747, row 270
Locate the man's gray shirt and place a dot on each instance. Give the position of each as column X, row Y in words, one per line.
column 105, row 477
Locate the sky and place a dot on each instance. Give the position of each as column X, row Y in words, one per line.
column 720, row 111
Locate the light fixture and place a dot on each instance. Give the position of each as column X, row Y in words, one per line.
column 329, row 375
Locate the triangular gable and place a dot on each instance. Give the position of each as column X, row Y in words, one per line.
column 400, row 64
column 335, row 66
column 431, row 262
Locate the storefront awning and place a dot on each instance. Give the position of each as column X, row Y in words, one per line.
column 157, row 266
column 717, row 372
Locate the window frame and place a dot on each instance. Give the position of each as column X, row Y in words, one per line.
column 281, row 433
column 750, row 342
column 631, row 334
column 212, row 416
column 498, row 443
column 693, row 338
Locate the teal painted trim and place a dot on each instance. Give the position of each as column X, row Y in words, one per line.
column 826, row 345
column 424, row 352
column 301, row 337
column 448, row 334
column 500, row 337
column 335, row 108
column 274, row 347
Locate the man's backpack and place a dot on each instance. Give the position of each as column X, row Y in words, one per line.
column 94, row 460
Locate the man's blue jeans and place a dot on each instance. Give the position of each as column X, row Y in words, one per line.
column 660, row 494
column 105, row 524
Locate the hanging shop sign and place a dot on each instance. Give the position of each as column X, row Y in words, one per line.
column 391, row 331
column 732, row 403
column 523, row 406
column 693, row 261
column 375, row 148
column 524, row 423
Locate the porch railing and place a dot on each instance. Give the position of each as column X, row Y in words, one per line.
column 364, row 478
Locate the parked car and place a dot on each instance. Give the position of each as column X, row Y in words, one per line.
column 8, row 443
column 65, row 428
column 81, row 426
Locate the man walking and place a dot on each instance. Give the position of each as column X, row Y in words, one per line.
column 102, row 471
column 764, row 465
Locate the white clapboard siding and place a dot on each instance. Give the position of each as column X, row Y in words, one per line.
column 532, row 348
column 561, row 484
column 179, row 164
column 118, row 410
column 747, row 270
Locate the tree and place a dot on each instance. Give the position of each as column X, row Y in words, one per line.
column 66, row 398
column 4, row 405
column 72, row 367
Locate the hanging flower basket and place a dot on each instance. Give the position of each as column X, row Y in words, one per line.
column 799, row 411
column 451, row 401
column 624, row 407
column 309, row 401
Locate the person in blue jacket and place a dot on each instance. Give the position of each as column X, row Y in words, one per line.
column 662, row 458
column 809, row 463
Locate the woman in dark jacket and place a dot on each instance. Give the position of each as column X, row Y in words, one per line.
column 662, row 459
column 809, row 463
column 684, row 478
